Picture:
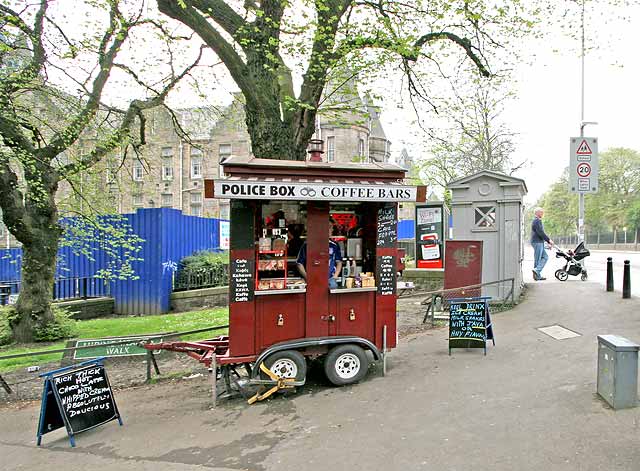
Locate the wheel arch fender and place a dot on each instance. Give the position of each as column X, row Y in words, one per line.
column 313, row 342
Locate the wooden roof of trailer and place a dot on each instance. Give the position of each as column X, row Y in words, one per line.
column 244, row 167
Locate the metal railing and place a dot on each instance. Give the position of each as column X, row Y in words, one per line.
column 206, row 278
column 439, row 299
column 143, row 339
column 622, row 239
column 63, row 288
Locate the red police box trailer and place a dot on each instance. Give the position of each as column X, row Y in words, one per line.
column 290, row 298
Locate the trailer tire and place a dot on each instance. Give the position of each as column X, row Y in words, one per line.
column 346, row 364
column 287, row 364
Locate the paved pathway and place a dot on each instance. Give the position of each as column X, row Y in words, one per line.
column 530, row 404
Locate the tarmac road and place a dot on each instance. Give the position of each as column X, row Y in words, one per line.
column 596, row 265
column 530, row 404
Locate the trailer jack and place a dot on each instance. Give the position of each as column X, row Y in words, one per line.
column 276, row 382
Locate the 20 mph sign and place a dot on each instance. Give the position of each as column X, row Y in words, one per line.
column 583, row 166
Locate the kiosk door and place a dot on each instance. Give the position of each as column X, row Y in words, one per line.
column 318, row 320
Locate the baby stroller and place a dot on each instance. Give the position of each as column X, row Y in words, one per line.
column 572, row 267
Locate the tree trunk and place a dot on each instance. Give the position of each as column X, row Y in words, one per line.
column 39, row 255
column 36, row 292
column 272, row 137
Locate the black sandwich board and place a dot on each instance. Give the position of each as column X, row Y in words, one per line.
column 77, row 397
column 470, row 323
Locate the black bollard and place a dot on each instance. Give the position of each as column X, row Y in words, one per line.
column 609, row 274
column 626, row 280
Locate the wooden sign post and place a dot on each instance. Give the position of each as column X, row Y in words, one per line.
column 77, row 397
column 470, row 323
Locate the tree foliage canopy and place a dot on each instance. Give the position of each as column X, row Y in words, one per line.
column 266, row 45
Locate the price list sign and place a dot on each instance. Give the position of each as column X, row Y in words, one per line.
column 386, row 272
column 469, row 324
column 387, row 233
column 242, row 280
column 79, row 399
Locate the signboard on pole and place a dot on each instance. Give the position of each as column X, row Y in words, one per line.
column 583, row 165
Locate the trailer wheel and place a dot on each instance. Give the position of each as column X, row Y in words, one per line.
column 287, row 364
column 346, row 364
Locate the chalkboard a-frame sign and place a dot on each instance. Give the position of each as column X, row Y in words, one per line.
column 470, row 323
column 77, row 397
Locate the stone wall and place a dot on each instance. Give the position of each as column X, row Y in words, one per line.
column 200, row 298
column 83, row 309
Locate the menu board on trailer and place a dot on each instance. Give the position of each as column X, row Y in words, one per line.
column 386, row 274
column 241, row 280
column 387, row 232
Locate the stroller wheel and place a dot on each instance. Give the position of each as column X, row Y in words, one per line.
column 584, row 276
column 561, row 275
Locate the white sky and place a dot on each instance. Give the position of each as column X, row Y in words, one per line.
column 547, row 111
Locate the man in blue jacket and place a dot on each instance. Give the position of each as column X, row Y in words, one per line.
column 538, row 238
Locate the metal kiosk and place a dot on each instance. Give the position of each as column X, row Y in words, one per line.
column 286, row 215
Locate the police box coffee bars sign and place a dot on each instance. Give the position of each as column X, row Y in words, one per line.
column 312, row 191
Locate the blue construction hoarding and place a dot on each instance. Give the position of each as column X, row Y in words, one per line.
column 168, row 237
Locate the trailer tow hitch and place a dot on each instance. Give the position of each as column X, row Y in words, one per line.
column 276, row 382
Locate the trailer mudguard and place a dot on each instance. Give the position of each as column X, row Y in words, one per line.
column 314, row 342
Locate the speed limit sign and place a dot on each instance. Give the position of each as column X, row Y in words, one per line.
column 583, row 165
column 584, row 169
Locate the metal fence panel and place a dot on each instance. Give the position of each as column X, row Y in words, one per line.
column 168, row 236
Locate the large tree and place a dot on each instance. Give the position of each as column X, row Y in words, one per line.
column 255, row 38
column 42, row 50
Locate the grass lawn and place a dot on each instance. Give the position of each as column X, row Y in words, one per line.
column 119, row 326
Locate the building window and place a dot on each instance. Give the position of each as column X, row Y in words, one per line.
column 196, row 198
column 361, row 147
column 167, row 168
column 196, row 163
column 137, row 200
column 196, row 210
column 331, row 149
column 224, row 152
column 225, row 211
column 167, row 152
column 485, row 217
column 138, row 170
column 167, row 200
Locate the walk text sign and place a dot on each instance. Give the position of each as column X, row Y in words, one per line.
column 583, row 165
column 470, row 323
column 102, row 349
column 300, row 191
column 78, row 398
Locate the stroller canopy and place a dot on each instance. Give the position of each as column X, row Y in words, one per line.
column 581, row 252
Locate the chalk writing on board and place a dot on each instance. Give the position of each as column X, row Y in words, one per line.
column 386, row 271
column 468, row 322
column 387, row 230
column 242, row 280
column 85, row 398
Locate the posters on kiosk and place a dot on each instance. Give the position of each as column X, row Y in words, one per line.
column 429, row 236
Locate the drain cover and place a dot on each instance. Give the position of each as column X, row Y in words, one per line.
column 558, row 332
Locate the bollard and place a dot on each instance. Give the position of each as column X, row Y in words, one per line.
column 626, row 280
column 609, row 274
